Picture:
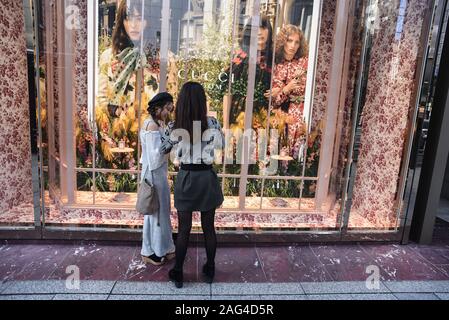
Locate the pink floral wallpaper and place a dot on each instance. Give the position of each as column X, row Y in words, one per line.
column 323, row 62
column 15, row 152
column 80, row 58
column 355, row 36
column 53, row 32
column 385, row 113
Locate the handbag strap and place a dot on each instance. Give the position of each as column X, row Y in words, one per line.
column 148, row 156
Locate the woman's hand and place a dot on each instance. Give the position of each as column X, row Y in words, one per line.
column 274, row 92
column 294, row 84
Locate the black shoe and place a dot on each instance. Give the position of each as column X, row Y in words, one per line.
column 154, row 260
column 209, row 273
column 176, row 277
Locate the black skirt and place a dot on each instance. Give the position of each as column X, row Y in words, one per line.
column 197, row 190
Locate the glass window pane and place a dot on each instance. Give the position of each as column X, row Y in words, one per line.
column 133, row 44
column 281, row 194
column 253, row 194
column 230, row 192
column 85, row 187
column 116, row 188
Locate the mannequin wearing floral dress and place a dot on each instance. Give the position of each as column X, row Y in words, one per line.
column 289, row 84
column 292, row 102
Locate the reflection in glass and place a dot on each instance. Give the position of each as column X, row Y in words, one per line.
column 253, row 194
column 85, row 187
column 115, row 188
column 231, row 192
column 208, row 42
column 117, row 111
column 281, row 194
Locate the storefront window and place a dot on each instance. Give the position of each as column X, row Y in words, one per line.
column 295, row 89
column 256, row 60
column 383, row 123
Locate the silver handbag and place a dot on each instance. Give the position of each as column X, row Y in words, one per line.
column 147, row 199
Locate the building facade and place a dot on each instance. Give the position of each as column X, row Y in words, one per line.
column 336, row 163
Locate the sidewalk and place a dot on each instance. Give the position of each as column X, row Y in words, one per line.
column 301, row 271
column 122, row 290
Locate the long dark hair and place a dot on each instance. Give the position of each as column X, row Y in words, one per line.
column 120, row 39
column 264, row 23
column 191, row 106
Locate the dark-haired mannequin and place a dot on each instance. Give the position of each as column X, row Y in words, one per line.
column 117, row 82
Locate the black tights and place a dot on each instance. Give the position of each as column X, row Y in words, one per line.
column 182, row 241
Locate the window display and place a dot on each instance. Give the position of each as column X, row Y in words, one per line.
column 283, row 78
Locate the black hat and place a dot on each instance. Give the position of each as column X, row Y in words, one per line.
column 160, row 99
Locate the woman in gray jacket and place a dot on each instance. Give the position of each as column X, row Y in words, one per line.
column 197, row 187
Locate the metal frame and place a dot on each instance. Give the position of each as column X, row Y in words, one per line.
column 430, row 176
column 351, row 168
column 92, row 44
column 249, row 104
column 34, row 90
column 411, row 128
column 337, row 81
column 412, row 172
column 309, row 236
column 251, row 76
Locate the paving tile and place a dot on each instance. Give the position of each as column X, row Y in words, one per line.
column 27, row 297
column 442, row 296
column 284, row 297
column 158, row 297
column 344, row 262
column 416, row 296
column 97, row 262
column 44, row 260
column 436, row 256
column 417, row 286
column 57, row 286
column 160, row 288
column 444, row 268
column 138, row 271
column 402, row 263
column 329, row 297
column 4, row 285
column 236, row 297
column 380, row 296
column 341, row 287
column 238, row 265
column 30, row 262
column 292, row 264
column 12, row 261
column 80, row 297
column 256, row 288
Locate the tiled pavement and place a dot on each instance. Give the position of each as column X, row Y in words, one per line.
column 125, row 290
column 301, row 271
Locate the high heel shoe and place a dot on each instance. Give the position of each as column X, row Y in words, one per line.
column 176, row 277
column 209, row 273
